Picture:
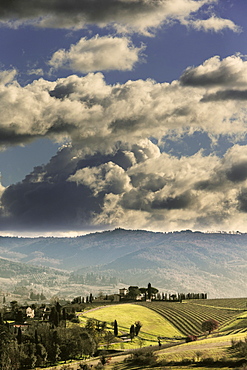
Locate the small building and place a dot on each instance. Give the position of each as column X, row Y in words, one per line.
column 30, row 312
column 116, row 298
column 123, row 292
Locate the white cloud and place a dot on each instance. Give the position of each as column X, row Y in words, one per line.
column 108, row 177
column 7, row 76
column 93, row 114
column 133, row 186
column 36, row 71
column 213, row 23
column 228, row 72
column 98, row 54
column 125, row 15
column 197, row 193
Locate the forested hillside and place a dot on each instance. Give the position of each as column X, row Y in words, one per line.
column 180, row 261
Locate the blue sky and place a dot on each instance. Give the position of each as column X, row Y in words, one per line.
column 127, row 115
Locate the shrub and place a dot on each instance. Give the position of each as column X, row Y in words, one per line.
column 143, row 358
column 99, row 366
column 75, row 320
column 243, row 367
column 84, row 367
column 208, row 361
column 239, row 348
column 191, row 338
column 187, row 361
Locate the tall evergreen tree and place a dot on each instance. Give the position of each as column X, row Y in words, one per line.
column 149, row 291
column 19, row 336
column 115, row 328
column 64, row 314
column 132, row 331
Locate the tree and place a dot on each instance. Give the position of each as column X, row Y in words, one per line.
column 149, row 291
column 108, row 338
column 19, row 336
column 41, row 355
column 42, row 296
column 54, row 317
column 210, row 325
column 14, row 305
column 64, row 316
column 28, row 355
column 91, row 326
column 132, row 331
column 133, row 292
column 138, row 326
column 144, row 292
column 9, row 356
column 53, row 349
column 103, row 326
column 19, row 317
column 115, row 328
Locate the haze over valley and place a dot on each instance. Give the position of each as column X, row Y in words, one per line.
column 183, row 262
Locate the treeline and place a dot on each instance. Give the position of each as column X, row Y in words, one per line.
column 43, row 344
column 135, row 293
column 26, row 344
column 37, row 296
column 183, row 296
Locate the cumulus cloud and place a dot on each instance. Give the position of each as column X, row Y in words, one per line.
column 179, row 201
column 44, row 200
column 225, row 95
column 125, row 15
column 93, row 114
column 228, row 72
column 122, row 188
column 111, row 174
column 107, row 178
column 98, row 54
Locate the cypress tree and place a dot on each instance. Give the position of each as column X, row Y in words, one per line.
column 115, row 328
column 19, row 336
column 149, row 291
column 132, row 331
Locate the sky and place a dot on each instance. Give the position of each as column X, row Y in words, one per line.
column 122, row 113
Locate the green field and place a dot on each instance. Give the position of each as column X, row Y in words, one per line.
column 153, row 324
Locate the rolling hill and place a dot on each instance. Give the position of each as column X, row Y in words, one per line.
column 179, row 261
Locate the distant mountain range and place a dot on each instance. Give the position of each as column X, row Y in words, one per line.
column 174, row 262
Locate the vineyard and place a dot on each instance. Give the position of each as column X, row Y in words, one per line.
column 189, row 316
column 231, row 303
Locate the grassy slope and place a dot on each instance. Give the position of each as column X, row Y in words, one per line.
column 153, row 324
